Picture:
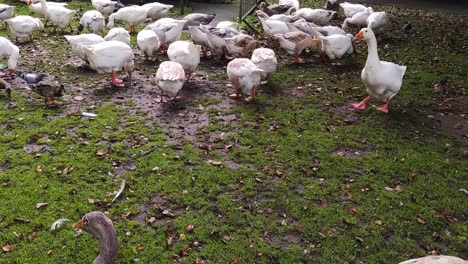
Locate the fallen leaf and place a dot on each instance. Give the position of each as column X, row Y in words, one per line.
column 39, row 205
column 151, row 220
column 189, row 228
column 353, row 210
column 7, row 248
column 168, row 213
column 421, row 221
column 49, row 251
column 38, row 168
column 119, row 192
column 360, row 239
column 411, row 176
column 279, row 173
column 101, row 152
column 199, row 261
column 182, row 237
column 32, row 236
column 259, row 180
column 78, row 98
column 91, row 200
column 378, row 222
column 235, row 261
column 324, row 202
column 214, row 162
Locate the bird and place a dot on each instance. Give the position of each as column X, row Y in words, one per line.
column 377, row 21
column 170, row 78
column 245, row 76
column 265, row 59
column 351, row 9
column 119, row 34
column 31, row 78
column 293, row 3
column 168, row 30
column 109, row 57
column 5, row 86
column 105, row 7
column 382, row 79
column 441, row 259
column 240, row 45
column 6, row 12
column 276, row 9
column 320, row 16
column 24, row 26
column 196, row 19
column 359, row 19
column 36, row 7
column 49, row 90
column 77, row 41
column 157, row 10
column 133, row 15
column 101, row 227
column 148, row 42
column 335, row 46
column 280, row 17
column 60, row 16
column 295, row 42
column 10, row 51
column 93, row 21
column 185, row 53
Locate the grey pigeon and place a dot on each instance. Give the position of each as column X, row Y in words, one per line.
column 30, row 78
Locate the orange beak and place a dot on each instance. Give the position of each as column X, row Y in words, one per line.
column 30, row 2
column 11, row 71
column 359, row 36
column 78, row 225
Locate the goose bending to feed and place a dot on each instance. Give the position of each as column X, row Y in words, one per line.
column 77, row 41
column 441, row 259
column 109, row 57
column 168, row 30
column 280, row 17
column 10, row 51
column 358, row 19
column 245, row 76
column 351, row 9
column 333, row 5
column 6, row 12
column 293, row 3
column 215, row 41
column 196, row 19
column 105, row 7
column 335, row 46
column 320, row 16
column 5, row 86
column 24, row 26
column 276, row 9
column 185, row 53
column 382, row 79
column 100, row 227
column 93, row 21
column 295, row 42
column 240, row 45
column 148, row 42
column 133, row 15
column 119, row 34
column 170, row 78
column 377, row 21
column 60, row 16
column 199, row 38
column 272, row 27
column 265, row 59
column 157, row 10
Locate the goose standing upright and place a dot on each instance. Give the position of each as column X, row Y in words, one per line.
column 60, row 16
column 99, row 226
column 185, row 53
column 351, row 9
column 6, row 12
column 382, row 79
column 11, row 51
column 105, row 7
column 24, row 26
column 134, row 15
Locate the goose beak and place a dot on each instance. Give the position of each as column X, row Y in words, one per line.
column 78, row 225
column 359, row 36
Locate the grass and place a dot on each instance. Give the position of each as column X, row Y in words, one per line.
column 300, row 178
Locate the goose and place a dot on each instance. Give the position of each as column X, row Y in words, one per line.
column 225, row 24
column 320, row 16
column 295, row 42
column 119, row 34
column 99, row 226
column 167, row 29
column 170, row 78
column 240, row 45
column 359, row 19
column 36, row 7
column 272, row 27
column 5, row 86
column 276, row 9
column 199, row 38
column 92, row 20
column 335, row 46
column 105, row 7
column 215, row 41
column 245, row 76
column 293, row 3
column 109, row 57
column 148, row 42
column 60, row 16
column 134, row 15
column 306, row 27
column 351, row 9
column 157, row 10
column 185, row 53
column 333, row 5
column 196, row 19
column 382, row 79
column 10, row 51
column 77, row 41
column 441, row 259
column 6, row 11
column 265, row 59
column 279, row 17
column 24, row 26
column 377, row 21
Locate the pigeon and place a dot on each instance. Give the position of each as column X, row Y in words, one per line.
column 31, row 78
column 49, row 91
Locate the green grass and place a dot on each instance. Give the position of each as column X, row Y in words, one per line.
column 283, row 193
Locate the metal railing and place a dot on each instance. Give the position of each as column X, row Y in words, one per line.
column 246, row 7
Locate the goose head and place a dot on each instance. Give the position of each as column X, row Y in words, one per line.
column 365, row 34
column 99, row 226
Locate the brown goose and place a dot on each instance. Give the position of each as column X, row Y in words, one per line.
column 240, row 45
column 295, row 42
column 100, row 227
column 5, row 86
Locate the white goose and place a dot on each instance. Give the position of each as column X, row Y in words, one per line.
column 60, row 16
column 358, row 19
column 118, row 34
column 240, row 45
column 167, row 29
column 148, row 42
column 77, row 41
column 215, row 41
column 281, row 17
column 157, row 10
column 199, row 38
column 265, row 59
column 185, row 53
column 377, row 21
column 441, row 259
column 105, row 7
column 24, row 26
column 6, row 11
column 92, row 20
column 110, row 57
column 10, row 51
column 293, row 3
column 351, row 9
column 245, row 76
column 272, row 27
column 226, row 23
column 134, row 15
column 382, row 79
column 335, row 46
column 170, row 78
column 321, row 16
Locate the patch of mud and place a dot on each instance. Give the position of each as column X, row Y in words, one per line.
column 283, row 240
column 160, row 209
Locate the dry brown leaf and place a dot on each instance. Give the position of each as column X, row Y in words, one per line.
column 235, row 261
column 189, row 228
column 101, row 152
column 32, row 236
column 421, row 221
column 78, row 98
column 38, row 168
column 378, row 222
column 279, row 173
column 7, row 248
column 324, row 202
column 259, row 180
column 360, row 239
column 214, row 162
column 151, row 220
column 199, row 261
column 411, row 176
column 182, row 237
column 39, row 205
column 353, row 210
column 91, row 200
column 50, row 251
